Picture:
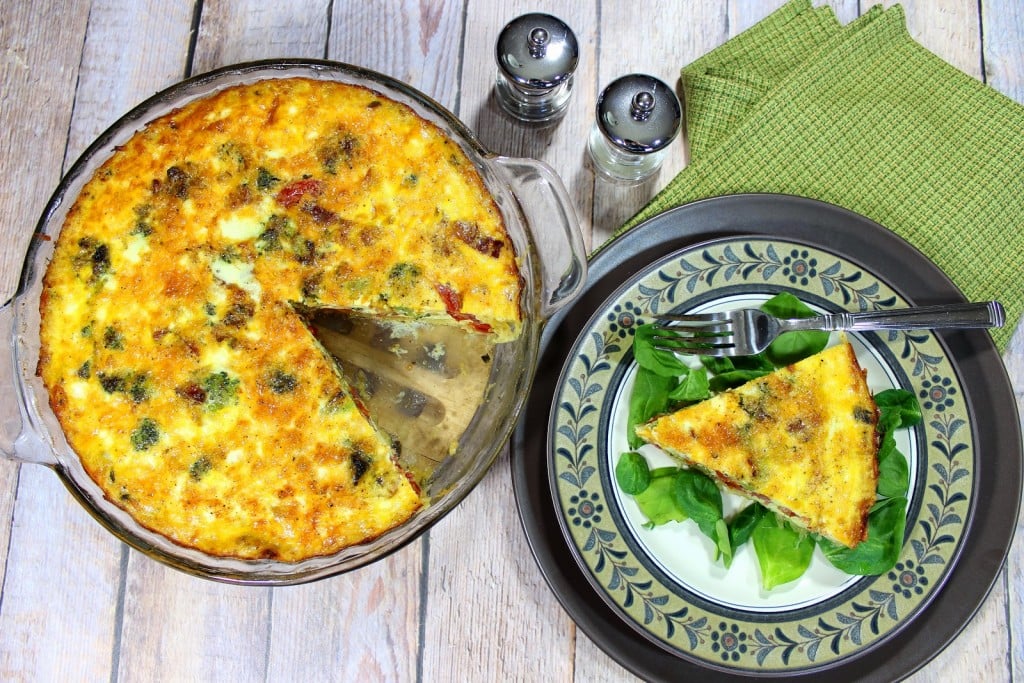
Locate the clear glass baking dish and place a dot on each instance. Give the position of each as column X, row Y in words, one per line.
column 545, row 232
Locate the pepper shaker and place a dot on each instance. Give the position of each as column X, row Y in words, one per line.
column 537, row 55
column 637, row 117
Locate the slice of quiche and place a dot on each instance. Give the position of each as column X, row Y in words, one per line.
column 800, row 440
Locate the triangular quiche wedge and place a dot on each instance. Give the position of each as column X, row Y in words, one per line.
column 801, row 440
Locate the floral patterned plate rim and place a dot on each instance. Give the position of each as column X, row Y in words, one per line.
column 662, row 582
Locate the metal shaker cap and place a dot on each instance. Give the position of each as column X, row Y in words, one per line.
column 639, row 114
column 537, row 51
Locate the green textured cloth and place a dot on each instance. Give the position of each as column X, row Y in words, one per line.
column 863, row 117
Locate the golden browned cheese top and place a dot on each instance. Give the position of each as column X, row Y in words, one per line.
column 172, row 344
column 802, row 440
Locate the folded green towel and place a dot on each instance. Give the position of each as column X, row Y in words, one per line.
column 863, row 117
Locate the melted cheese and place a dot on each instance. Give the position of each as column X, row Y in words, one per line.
column 801, row 440
column 175, row 360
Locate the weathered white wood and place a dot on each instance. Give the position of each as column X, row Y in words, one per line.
column 52, row 601
column 363, row 625
column 59, row 611
column 489, row 615
column 234, row 32
column 38, row 67
column 949, row 28
column 418, row 43
column 468, row 602
column 179, row 628
column 1003, row 30
column 132, row 50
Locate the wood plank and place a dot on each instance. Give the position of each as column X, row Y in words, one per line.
column 180, row 628
column 132, row 51
column 489, row 613
column 1003, row 31
column 949, row 28
column 417, row 43
column 231, row 32
column 38, row 66
column 363, row 625
column 59, row 611
column 60, row 578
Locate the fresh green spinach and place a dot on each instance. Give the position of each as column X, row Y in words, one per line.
column 650, row 397
column 664, row 381
column 657, row 503
column 698, row 495
column 886, row 524
column 664, row 363
column 783, row 553
column 791, row 347
column 632, row 473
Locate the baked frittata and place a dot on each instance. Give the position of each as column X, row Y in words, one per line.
column 801, row 440
column 174, row 344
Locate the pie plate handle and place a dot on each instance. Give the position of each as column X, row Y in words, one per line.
column 16, row 442
column 553, row 228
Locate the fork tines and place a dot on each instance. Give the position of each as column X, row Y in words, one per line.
column 693, row 334
column 663, row 319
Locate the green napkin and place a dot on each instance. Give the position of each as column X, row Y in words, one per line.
column 863, row 117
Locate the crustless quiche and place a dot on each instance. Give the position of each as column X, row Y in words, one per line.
column 174, row 344
column 801, row 440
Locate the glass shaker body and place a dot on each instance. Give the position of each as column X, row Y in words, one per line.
column 637, row 118
column 537, row 56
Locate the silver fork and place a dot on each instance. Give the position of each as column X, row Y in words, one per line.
column 746, row 331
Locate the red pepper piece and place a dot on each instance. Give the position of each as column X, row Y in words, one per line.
column 453, row 304
column 292, row 193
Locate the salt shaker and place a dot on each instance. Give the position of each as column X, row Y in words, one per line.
column 637, row 117
column 537, row 55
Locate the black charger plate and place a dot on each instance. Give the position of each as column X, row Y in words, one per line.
column 989, row 395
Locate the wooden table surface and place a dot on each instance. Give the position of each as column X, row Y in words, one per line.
column 467, row 601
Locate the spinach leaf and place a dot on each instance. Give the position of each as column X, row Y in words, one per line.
column 700, row 498
column 743, row 523
column 656, row 502
column 897, row 408
column 893, row 471
column 759, row 361
column 881, row 550
column 723, row 543
column 793, row 346
column 783, row 553
column 632, row 473
column 717, row 365
column 732, row 372
column 649, row 398
column 663, row 363
column 693, row 387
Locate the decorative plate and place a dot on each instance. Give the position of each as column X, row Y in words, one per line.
column 663, row 581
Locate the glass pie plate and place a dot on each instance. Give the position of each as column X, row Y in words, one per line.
column 452, row 419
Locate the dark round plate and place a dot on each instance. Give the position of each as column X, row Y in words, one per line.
column 989, row 397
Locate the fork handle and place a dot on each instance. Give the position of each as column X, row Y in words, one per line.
column 958, row 316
